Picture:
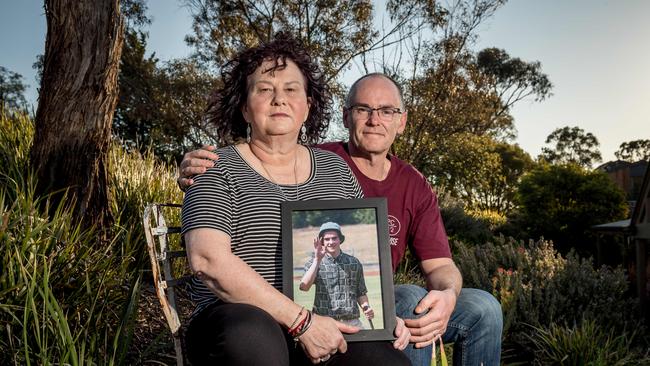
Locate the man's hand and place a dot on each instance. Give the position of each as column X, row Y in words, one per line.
column 402, row 333
column 195, row 162
column 319, row 249
column 440, row 305
column 368, row 312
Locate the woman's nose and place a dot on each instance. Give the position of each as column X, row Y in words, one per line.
column 279, row 98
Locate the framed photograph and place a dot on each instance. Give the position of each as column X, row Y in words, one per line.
column 336, row 262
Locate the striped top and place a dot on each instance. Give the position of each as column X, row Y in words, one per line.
column 233, row 198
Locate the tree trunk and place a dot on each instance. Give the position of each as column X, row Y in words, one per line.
column 77, row 99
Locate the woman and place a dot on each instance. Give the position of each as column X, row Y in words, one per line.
column 272, row 95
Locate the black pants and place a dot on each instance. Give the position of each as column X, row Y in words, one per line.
column 240, row 334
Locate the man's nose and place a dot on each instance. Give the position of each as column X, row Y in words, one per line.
column 373, row 119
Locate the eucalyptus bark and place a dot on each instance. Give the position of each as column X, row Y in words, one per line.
column 77, row 100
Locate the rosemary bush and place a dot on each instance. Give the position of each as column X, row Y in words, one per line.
column 537, row 286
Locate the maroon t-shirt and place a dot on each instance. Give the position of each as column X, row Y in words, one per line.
column 413, row 213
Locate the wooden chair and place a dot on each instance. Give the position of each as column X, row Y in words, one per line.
column 162, row 257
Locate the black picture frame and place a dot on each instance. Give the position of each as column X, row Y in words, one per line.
column 301, row 221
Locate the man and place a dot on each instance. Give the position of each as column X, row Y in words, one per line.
column 340, row 284
column 374, row 115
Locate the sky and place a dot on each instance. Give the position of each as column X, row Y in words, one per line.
column 595, row 52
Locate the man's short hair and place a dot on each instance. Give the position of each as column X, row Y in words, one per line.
column 355, row 86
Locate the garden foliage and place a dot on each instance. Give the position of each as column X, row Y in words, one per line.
column 586, row 343
column 537, row 286
column 67, row 296
column 464, row 225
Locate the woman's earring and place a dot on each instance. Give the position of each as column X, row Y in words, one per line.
column 248, row 132
column 303, row 134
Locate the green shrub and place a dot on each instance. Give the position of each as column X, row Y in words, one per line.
column 461, row 225
column 408, row 271
column 492, row 218
column 586, row 343
column 562, row 203
column 537, row 286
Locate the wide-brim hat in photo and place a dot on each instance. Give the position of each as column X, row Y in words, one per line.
column 331, row 226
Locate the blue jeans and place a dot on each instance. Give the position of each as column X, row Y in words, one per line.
column 475, row 326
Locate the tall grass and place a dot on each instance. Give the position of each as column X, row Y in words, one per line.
column 16, row 136
column 586, row 343
column 67, row 296
column 60, row 288
column 136, row 180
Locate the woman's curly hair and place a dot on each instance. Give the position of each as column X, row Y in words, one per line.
column 224, row 106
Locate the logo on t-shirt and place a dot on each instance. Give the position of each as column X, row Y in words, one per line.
column 393, row 225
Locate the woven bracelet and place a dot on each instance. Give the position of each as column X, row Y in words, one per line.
column 294, row 331
column 296, row 320
column 304, row 328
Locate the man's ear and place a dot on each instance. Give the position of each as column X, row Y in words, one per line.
column 346, row 115
column 402, row 123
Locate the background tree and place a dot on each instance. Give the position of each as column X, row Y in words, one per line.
column 160, row 106
column 181, row 97
column 511, row 79
column 572, row 146
column 453, row 90
column 334, row 31
column 135, row 112
column 500, row 194
column 561, row 203
column 480, row 171
column 449, row 89
column 12, row 89
column 634, row 151
column 459, row 104
column 76, row 103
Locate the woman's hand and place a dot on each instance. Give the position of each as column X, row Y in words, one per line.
column 403, row 334
column 324, row 338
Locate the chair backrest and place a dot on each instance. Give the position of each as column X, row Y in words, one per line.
column 158, row 244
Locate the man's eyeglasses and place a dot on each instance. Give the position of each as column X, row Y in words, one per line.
column 362, row 112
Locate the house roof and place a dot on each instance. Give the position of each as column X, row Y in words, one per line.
column 636, row 169
column 611, row 166
column 613, row 227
